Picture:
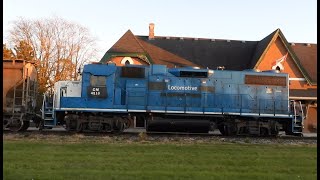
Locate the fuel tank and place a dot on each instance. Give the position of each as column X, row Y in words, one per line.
column 178, row 125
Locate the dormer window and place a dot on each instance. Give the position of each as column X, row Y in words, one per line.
column 127, row 60
column 278, row 67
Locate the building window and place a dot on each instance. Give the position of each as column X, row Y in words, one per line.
column 127, row 60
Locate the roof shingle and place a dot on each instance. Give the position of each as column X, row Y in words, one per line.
column 303, row 93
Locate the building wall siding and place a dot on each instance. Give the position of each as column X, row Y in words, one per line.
column 310, row 123
column 275, row 52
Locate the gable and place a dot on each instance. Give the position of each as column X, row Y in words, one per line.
column 279, row 37
column 276, row 51
column 126, row 44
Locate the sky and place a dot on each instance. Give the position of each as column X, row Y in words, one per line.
column 108, row 20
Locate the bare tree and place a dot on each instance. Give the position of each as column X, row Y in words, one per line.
column 60, row 47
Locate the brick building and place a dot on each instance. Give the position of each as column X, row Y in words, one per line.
column 299, row 60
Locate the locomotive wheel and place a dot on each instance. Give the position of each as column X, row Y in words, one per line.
column 16, row 125
column 71, row 122
column 127, row 122
column 80, row 127
column 5, row 124
column 274, row 130
column 227, row 129
column 118, row 126
column 263, row 132
column 222, row 130
column 25, row 125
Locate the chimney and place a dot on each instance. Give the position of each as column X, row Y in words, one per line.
column 151, row 31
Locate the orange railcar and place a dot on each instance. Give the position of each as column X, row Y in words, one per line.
column 19, row 93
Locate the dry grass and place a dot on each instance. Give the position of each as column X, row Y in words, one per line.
column 145, row 139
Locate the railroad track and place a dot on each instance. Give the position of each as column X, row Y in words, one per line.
column 154, row 134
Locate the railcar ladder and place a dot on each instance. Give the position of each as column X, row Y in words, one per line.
column 18, row 97
column 47, row 112
column 23, row 97
column 298, row 117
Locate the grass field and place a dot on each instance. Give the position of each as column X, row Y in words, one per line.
column 85, row 159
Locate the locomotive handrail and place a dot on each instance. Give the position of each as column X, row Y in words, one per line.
column 240, row 103
column 43, row 105
column 239, row 98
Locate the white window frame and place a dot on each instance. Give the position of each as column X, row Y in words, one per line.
column 123, row 61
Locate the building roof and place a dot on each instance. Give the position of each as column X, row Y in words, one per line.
column 261, row 48
column 207, row 52
column 211, row 53
column 307, row 54
column 127, row 44
column 310, row 94
column 132, row 45
column 162, row 56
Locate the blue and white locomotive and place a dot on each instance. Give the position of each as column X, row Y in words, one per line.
column 185, row 99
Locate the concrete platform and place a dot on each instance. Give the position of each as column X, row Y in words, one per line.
column 310, row 134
